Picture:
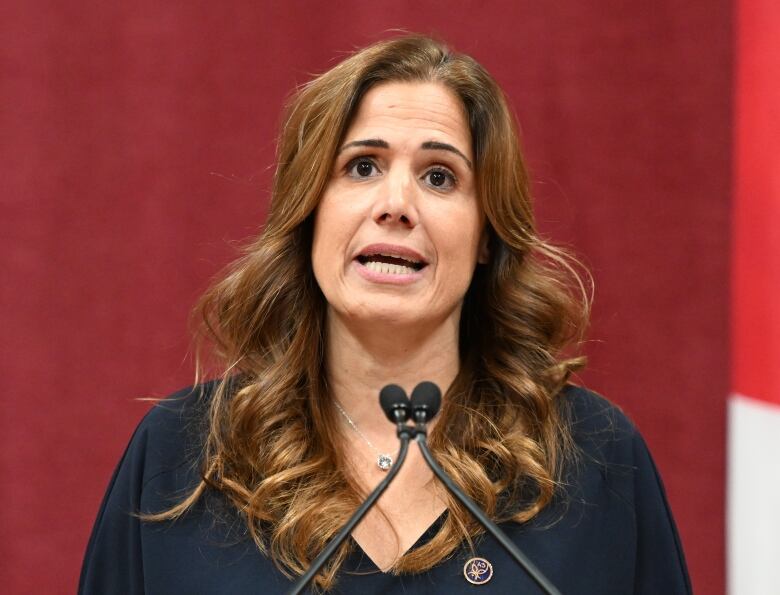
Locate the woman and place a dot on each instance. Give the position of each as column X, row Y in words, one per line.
column 400, row 246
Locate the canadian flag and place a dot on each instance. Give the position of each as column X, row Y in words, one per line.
column 753, row 497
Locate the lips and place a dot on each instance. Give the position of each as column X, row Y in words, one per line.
column 385, row 262
column 390, row 258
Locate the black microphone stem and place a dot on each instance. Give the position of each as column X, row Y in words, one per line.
column 492, row 528
column 334, row 543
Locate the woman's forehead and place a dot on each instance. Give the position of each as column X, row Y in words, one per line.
column 415, row 111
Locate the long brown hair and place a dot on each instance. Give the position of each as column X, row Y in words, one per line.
column 271, row 446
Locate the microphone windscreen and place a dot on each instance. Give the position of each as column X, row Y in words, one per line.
column 426, row 396
column 392, row 397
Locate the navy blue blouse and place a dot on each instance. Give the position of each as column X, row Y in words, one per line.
column 612, row 533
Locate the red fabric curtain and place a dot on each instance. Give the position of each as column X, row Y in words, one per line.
column 137, row 150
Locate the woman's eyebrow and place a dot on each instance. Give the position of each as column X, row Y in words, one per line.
column 369, row 142
column 437, row 146
column 430, row 145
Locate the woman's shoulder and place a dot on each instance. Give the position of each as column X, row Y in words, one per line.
column 172, row 433
column 598, row 426
column 159, row 466
column 612, row 503
column 591, row 410
column 180, row 410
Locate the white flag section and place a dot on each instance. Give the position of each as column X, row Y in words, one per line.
column 753, row 497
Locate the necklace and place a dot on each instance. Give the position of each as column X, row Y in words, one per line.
column 384, row 461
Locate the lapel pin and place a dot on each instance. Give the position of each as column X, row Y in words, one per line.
column 477, row 571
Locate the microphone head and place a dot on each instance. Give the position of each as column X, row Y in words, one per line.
column 426, row 400
column 395, row 403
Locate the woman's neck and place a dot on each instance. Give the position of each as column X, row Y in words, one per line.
column 362, row 360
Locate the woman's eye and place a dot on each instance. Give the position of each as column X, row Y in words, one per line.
column 440, row 179
column 362, row 168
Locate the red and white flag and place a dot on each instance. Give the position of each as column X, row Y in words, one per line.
column 754, row 407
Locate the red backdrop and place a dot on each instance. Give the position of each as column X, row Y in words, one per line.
column 137, row 145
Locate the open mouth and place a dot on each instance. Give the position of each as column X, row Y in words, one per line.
column 390, row 264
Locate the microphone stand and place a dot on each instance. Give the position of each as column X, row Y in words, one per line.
column 511, row 548
column 404, row 434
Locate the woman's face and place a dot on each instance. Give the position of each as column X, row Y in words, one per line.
column 398, row 230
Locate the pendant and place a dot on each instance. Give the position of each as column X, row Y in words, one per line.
column 384, row 462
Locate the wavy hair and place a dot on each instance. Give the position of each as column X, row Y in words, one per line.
column 271, row 447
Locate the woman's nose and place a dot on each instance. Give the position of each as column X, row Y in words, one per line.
column 396, row 202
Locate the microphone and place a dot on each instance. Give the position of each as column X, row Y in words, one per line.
column 426, row 400
column 397, row 408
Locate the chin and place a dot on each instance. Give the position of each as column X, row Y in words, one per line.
column 387, row 316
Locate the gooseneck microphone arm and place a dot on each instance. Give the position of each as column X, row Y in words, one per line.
column 426, row 400
column 396, row 407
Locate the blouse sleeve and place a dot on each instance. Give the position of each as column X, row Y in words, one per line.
column 660, row 562
column 160, row 464
column 113, row 562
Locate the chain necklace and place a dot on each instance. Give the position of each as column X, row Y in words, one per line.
column 384, row 461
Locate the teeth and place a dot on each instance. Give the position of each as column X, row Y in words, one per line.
column 388, row 269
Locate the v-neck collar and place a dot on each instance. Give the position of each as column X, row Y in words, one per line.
column 359, row 562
